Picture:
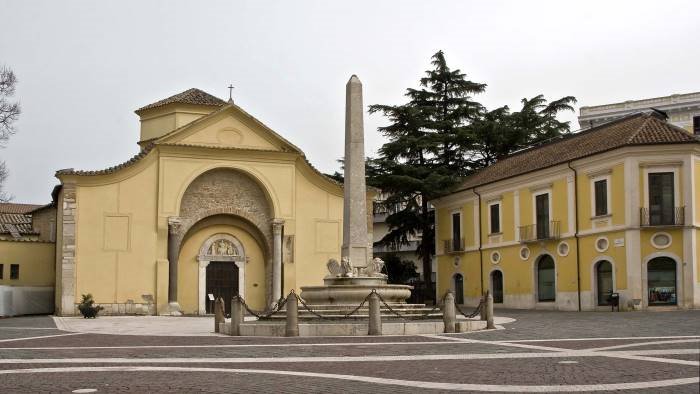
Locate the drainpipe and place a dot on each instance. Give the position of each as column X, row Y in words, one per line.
column 481, row 258
column 578, row 250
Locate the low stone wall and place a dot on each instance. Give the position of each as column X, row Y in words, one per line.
column 129, row 308
column 277, row 329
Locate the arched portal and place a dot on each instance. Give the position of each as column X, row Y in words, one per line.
column 546, row 279
column 221, row 271
column 604, row 282
column 661, row 281
column 497, row 286
column 459, row 288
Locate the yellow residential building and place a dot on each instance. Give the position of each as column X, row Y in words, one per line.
column 214, row 204
column 613, row 209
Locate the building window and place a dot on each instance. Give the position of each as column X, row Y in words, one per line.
column 495, row 218
column 14, row 271
column 2, row 270
column 456, row 231
column 696, row 125
column 661, row 198
column 661, row 274
column 542, row 215
column 601, row 197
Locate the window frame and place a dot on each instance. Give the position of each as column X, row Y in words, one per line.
column 14, row 275
column 455, row 241
column 535, row 194
column 608, row 196
column 500, row 217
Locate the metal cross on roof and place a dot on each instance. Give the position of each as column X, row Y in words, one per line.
column 230, row 92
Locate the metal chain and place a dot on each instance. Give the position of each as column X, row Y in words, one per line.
column 473, row 314
column 275, row 308
column 345, row 316
column 423, row 315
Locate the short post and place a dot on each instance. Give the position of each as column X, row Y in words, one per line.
column 489, row 311
column 375, row 315
column 449, row 315
column 482, row 310
column 292, row 329
column 218, row 313
column 236, row 315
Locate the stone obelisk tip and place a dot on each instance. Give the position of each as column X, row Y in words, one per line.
column 354, row 79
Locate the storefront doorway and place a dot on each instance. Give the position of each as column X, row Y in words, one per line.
column 661, row 274
column 497, row 286
column 604, row 282
column 546, row 290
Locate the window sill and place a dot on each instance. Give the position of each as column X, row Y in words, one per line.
column 606, row 216
column 495, row 234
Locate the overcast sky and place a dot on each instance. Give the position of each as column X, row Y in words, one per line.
column 84, row 67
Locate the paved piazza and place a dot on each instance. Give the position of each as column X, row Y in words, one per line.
column 649, row 352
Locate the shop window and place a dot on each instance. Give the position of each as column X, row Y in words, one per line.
column 661, row 281
column 14, row 271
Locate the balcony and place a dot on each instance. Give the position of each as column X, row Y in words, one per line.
column 672, row 216
column 454, row 245
column 543, row 232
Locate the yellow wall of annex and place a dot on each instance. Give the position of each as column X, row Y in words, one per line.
column 615, row 254
column 116, row 235
column 35, row 259
column 616, row 203
column 188, row 268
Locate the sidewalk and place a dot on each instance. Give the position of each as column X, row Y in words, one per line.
column 139, row 325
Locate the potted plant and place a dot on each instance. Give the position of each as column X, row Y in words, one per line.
column 87, row 307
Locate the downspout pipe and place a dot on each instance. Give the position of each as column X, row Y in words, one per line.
column 578, row 250
column 481, row 257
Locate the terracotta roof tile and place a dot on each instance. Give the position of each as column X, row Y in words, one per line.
column 189, row 96
column 143, row 153
column 637, row 129
column 17, row 208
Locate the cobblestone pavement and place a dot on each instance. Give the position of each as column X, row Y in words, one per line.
column 647, row 352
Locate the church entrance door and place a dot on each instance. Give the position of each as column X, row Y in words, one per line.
column 222, row 281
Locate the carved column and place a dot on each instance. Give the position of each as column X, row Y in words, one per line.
column 173, row 251
column 277, row 225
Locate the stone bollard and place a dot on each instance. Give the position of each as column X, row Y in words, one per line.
column 449, row 314
column 236, row 316
column 292, row 329
column 375, row 315
column 218, row 313
column 482, row 311
column 489, row 311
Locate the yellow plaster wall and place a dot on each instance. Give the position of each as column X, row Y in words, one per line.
column 188, row 268
column 675, row 248
column 116, row 237
column 468, row 267
column 616, row 203
column 697, row 193
column 35, row 259
column 230, row 131
column 615, row 254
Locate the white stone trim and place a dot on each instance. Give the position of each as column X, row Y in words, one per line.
column 203, row 260
column 540, row 192
column 608, row 208
column 568, row 248
column 657, row 246
column 520, row 253
column 535, row 278
column 651, row 169
column 607, row 244
column 498, row 202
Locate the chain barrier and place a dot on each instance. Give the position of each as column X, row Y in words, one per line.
column 424, row 315
column 320, row 316
column 260, row 315
column 473, row 314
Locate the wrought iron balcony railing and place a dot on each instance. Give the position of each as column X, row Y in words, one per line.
column 539, row 232
column 671, row 216
column 454, row 245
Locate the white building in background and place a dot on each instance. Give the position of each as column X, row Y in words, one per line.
column 683, row 110
column 405, row 251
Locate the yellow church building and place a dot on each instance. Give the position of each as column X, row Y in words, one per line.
column 215, row 203
column 611, row 210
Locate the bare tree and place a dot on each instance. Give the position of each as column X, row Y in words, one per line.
column 9, row 113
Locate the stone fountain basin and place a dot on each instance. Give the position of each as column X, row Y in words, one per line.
column 353, row 293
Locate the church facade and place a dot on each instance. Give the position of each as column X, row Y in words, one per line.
column 214, row 204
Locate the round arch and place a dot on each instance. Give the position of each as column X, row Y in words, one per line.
column 222, row 248
column 678, row 276
column 458, row 287
column 496, row 285
column 264, row 184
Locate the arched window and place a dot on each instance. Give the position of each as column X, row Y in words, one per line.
column 661, row 274
column 546, row 291
column 497, row 286
column 604, row 282
column 459, row 288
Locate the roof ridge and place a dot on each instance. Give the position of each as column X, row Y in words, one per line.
column 639, row 129
column 194, row 96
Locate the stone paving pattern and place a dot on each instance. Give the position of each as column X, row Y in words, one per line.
column 524, row 337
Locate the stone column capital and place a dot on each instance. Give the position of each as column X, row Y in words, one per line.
column 174, row 223
column 277, row 226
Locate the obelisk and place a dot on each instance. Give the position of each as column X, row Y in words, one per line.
column 355, row 242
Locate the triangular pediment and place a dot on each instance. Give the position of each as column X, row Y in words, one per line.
column 229, row 127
